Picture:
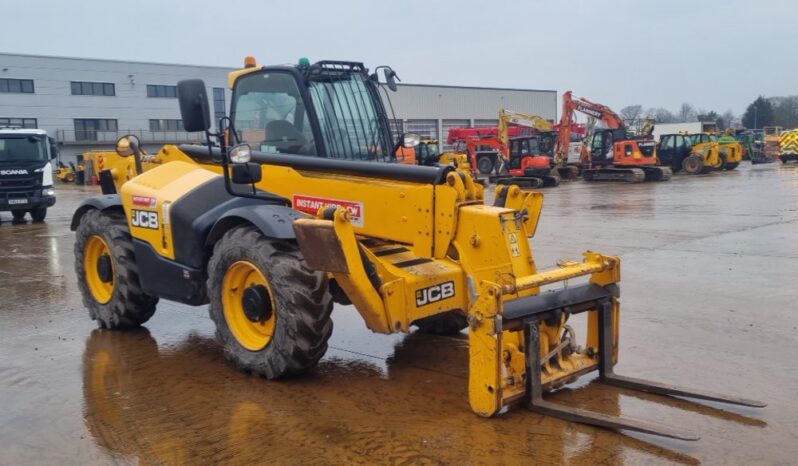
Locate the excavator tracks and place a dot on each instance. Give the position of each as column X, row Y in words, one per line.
column 628, row 175
column 658, row 173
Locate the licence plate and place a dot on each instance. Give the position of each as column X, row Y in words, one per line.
column 17, row 201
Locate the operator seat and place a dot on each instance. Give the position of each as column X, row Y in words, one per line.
column 284, row 136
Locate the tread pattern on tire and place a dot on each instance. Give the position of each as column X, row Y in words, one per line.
column 303, row 304
column 129, row 306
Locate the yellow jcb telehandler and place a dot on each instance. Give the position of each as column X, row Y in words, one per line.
column 296, row 206
column 711, row 155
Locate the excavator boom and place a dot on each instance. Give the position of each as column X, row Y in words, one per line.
column 609, row 153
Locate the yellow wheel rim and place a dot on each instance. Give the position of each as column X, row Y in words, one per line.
column 240, row 282
column 95, row 251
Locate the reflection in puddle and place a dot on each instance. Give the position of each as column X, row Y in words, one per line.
column 183, row 404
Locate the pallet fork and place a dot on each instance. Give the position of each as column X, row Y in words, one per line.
column 534, row 389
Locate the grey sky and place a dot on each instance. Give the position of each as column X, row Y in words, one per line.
column 716, row 55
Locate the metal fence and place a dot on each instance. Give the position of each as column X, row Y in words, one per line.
column 69, row 136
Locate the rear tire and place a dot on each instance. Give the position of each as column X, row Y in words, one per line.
column 18, row 214
column 447, row 323
column 38, row 214
column 485, row 165
column 127, row 305
column 297, row 297
column 731, row 166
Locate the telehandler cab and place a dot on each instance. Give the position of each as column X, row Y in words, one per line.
column 270, row 236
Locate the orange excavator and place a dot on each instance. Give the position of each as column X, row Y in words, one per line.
column 522, row 160
column 609, row 153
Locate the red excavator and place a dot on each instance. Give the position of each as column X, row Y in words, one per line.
column 521, row 157
column 609, row 152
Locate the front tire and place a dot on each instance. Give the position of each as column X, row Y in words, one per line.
column 38, row 214
column 272, row 312
column 108, row 276
column 731, row 165
column 693, row 165
column 18, row 214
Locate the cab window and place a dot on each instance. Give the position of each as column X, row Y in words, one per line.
column 269, row 114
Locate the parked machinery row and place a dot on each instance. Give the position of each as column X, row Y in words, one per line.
column 523, row 148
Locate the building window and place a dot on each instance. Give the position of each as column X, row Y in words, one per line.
column 166, row 125
column 18, row 86
column 427, row 129
column 159, row 90
column 91, row 129
column 87, row 88
column 19, row 122
column 218, row 103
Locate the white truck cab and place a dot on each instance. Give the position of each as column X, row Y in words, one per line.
column 26, row 174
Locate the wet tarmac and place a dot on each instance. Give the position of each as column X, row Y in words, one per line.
column 709, row 301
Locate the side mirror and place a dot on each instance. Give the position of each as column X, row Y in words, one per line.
column 194, row 108
column 54, row 152
column 247, row 173
column 128, row 145
column 388, row 73
column 390, row 79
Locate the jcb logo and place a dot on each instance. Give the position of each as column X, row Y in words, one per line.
column 434, row 293
column 145, row 219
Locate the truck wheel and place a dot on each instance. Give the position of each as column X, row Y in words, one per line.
column 272, row 313
column 447, row 323
column 18, row 214
column 108, row 276
column 38, row 214
column 731, row 166
column 485, row 165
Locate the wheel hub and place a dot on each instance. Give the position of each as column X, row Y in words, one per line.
column 257, row 303
column 105, row 270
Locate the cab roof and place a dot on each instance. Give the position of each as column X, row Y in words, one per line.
column 30, row 131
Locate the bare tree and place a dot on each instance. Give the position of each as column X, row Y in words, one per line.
column 632, row 113
column 661, row 115
column 686, row 113
column 729, row 120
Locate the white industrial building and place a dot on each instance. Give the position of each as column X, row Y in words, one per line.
column 88, row 103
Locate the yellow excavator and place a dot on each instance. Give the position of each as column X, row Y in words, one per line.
column 296, row 204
